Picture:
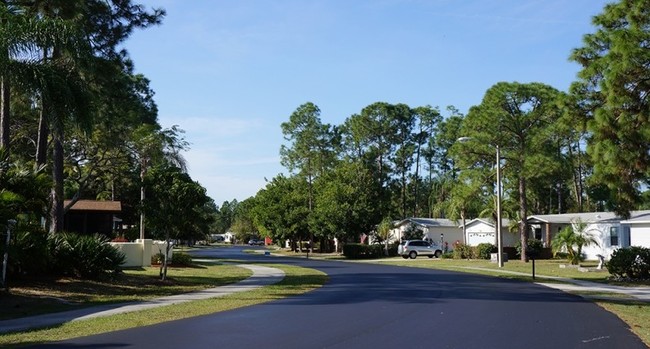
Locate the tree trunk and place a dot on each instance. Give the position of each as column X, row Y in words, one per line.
column 143, row 173
column 462, row 217
column 163, row 266
column 4, row 112
column 56, row 194
column 523, row 226
column 43, row 127
column 43, row 134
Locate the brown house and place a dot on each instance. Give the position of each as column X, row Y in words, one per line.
column 92, row 216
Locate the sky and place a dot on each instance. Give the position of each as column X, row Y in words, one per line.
column 229, row 72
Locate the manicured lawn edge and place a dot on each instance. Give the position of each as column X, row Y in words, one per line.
column 297, row 280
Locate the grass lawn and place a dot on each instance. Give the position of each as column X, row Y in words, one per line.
column 44, row 295
column 297, row 280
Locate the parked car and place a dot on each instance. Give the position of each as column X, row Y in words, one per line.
column 255, row 242
column 413, row 248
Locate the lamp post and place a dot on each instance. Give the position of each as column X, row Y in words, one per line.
column 498, row 222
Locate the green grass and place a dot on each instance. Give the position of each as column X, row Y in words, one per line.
column 297, row 281
column 45, row 295
column 635, row 314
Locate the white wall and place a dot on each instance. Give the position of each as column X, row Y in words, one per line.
column 640, row 235
column 451, row 234
column 479, row 232
column 600, row 231
column 138, row 254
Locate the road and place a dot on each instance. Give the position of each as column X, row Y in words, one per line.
column 381, row 306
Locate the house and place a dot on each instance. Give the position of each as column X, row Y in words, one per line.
column 92, row 217
column 610, row 231
column 483, row 230
column 639, row 228
column 433, row 229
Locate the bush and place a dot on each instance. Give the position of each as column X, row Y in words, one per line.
column 83, row 256
column 534, row 247
column 28, row 253
column 463, row 251
column 630, row 262
column 483, row 250
column 157, row 258
column 447, row 255
column 361, row 251
column 180, row 258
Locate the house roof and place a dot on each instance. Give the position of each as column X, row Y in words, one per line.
column 504, row 222
column 638, row 218
column 95, row 205
column 429, row 222
column 587, row 217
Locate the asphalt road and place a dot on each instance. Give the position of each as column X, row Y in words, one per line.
column 380, row 306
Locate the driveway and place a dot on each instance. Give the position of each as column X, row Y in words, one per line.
column 380, row 306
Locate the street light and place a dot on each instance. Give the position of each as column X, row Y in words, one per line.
column 498, row 222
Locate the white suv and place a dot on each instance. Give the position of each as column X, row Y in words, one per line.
column 413, row 248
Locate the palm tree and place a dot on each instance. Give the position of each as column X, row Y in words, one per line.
column 571, row 239
column 383, row 231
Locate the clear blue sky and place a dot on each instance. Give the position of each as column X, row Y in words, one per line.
column 230, row 72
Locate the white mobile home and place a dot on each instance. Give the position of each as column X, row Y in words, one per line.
column 610, row 231
column 482, row 230
column 433, row 229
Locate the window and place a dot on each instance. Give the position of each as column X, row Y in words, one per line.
column 613, row 236
column 538, row 234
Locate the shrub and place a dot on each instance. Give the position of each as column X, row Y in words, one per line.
column 630, row 262
column 463, row 251
column 447, row 255
column 180, row 258
column 359, row 251
column 83, row 255
column 157, row 258
column 533, row 247
column 28, row 253
column 483, row 250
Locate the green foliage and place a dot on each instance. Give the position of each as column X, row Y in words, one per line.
column 533, row 249
column 83, row 255
column 571, row 239
column 363, row 251
column 383, row 232
column 181, row 259
column 612, row 88
column 517, row 120
column 630, row 262
column 28, row 253
column 158, row 258
column 280, row 211
column 174, row 204
column 412, row 232
column 448, row 255
column 463, row 251
column 484, row 250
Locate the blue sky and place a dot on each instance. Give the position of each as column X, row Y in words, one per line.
column 230, row 72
